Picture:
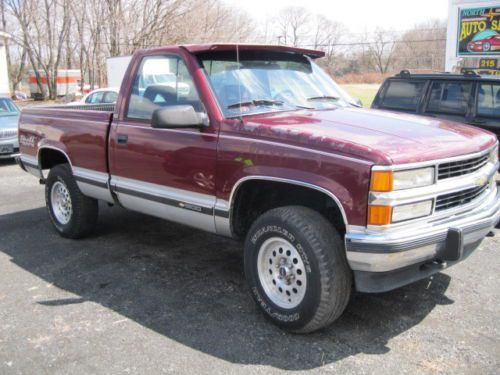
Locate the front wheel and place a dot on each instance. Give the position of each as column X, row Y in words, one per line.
column 296, row 268
column 73, row 214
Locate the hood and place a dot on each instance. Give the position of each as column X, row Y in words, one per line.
column 9, row 122
column 379, row 136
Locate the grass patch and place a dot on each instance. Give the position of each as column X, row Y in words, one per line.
column 364, row 91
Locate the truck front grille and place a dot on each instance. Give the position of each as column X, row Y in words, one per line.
column 459, row 198
column 9, row 133
column 459, row 168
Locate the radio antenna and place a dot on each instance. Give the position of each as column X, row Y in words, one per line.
column 239, row 80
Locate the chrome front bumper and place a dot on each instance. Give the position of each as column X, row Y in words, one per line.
column 391, row 252
column 10, row 141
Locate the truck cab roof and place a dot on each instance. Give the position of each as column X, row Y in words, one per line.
column 211, row 47
column 468, row 75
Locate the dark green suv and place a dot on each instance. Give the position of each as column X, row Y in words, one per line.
column 468, row 98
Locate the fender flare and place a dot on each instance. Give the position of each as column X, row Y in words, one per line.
column 242, row 180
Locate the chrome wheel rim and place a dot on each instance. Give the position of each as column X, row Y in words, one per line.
column 61, row 202
column 281, row 272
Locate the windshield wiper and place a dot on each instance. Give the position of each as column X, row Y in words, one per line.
column 324, row 97
column 255, row 102
column 300, row 106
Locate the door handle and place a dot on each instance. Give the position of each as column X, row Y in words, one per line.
column 122, row 139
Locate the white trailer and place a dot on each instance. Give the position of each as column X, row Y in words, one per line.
column 68, row 81
column 115, row 68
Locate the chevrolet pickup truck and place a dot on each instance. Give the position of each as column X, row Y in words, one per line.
column 261, row 145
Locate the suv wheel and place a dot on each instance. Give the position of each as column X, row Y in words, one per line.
column 73, row 214
column 296, row 268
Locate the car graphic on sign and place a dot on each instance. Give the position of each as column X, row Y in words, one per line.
column 484, row 41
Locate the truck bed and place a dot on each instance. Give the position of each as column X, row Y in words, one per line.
column 79, row 131
column 87, row 107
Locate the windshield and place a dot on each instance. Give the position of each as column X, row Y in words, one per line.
column 270, row 82
column 7, row 107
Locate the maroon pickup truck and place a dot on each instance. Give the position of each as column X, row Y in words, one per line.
column 258, row 143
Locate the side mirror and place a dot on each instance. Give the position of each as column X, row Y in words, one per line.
column 178, row 116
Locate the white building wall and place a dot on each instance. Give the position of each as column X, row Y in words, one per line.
column 452, row 61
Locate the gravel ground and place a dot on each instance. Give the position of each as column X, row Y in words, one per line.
column 145, row 296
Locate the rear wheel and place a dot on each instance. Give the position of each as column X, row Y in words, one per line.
column 73, row 214
column 296, row 268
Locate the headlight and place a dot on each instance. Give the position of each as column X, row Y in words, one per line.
column 413, row 178
column 494, row 155
column 411, row 211
column 384, row 215
column 383, row 181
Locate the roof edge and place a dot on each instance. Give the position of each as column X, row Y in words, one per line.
column 200, row 48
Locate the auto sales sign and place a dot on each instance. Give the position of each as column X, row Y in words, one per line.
column 479, row 31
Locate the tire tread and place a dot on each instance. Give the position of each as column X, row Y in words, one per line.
column 328, row 248
column 85, row 209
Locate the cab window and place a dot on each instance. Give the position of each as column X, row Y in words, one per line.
column 403, row 95
column 449, row 97
column 161, row 81
column 488, row 100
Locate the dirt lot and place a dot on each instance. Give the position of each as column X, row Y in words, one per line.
column 144, row 296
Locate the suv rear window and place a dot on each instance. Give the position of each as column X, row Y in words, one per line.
column 449, row 97
column 403, row 94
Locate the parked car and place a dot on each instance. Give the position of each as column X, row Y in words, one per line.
column 484, row 41
column 19, row 95
column 265, row 148
column 99, row 96
column 9, row 116
column 466, row 98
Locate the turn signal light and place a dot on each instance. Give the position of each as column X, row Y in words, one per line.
column 382, row 181
column 379, row 215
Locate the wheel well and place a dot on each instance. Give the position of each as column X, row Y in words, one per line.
column 49, row 158
column 255, row 197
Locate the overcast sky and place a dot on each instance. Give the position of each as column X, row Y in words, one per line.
column 357, row 15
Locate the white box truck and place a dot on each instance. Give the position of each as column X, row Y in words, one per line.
column 115, row 68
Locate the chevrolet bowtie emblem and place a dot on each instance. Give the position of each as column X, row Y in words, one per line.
column 481, row 181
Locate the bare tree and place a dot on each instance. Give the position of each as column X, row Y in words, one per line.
column 210, row 20
column 55, row 34
column 293, row 25
column 381, row 50
column 44, row 26
column 327, row 35
column 422, row 47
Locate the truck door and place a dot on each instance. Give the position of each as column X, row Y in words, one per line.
column 168, row 173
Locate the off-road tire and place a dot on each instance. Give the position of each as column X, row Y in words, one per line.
column 329, row 278
column 84, row 209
